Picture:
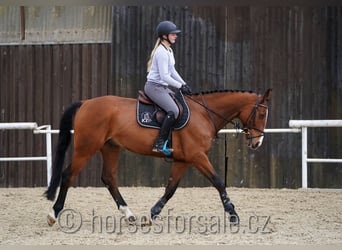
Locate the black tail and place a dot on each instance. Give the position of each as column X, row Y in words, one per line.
column 64, row 139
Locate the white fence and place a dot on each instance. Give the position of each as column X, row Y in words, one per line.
column 32, row 126
column 296, row 126
column 304, row 124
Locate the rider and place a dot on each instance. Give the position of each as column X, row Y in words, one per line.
column 162, row 77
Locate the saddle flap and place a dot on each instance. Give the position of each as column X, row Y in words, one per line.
column 151, row 115
column 142, row 97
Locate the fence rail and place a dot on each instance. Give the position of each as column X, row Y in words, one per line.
column 296, row 126
column 42, row 129
column 304, row 125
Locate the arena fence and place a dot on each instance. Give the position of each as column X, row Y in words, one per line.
column 304, row 125
column 296, row 126
column 36, row 130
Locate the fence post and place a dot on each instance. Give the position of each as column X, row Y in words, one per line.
column 48, row 154
column 48, row 143
column 304, row 157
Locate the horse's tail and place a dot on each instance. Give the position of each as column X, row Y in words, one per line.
column 64, row 139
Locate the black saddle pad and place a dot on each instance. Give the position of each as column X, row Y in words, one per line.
column 146, row 114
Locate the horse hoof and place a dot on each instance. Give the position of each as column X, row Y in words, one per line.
column 131, row 220
column 234, row 219
column 145, row 221
column 51, row 220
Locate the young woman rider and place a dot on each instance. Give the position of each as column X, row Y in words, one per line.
column 162, row 77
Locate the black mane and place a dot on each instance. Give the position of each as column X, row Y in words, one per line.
column 221, row 91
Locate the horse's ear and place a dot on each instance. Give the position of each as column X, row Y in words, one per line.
column 266, row 96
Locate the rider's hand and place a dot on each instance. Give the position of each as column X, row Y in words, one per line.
column 186, row 90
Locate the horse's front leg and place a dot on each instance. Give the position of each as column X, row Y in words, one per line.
column 177, row 172
column 203, row 164
column 227, row 204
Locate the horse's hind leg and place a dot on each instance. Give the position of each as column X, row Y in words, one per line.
column 68, row 176
column 110, row 154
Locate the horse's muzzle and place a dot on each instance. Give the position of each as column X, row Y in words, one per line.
column 254, row 142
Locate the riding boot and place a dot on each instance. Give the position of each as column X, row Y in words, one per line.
column 168, row 122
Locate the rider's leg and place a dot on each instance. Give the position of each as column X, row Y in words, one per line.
column 161, row 96
column 168, row 122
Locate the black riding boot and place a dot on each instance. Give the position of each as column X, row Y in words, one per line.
column 168, row 122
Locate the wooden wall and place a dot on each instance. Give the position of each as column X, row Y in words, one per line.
column 294, row 50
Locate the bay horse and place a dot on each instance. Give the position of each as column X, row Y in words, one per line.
column 108, row 123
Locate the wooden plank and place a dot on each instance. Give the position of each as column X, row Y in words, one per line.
column 85, row 79
column 295, row 49
column 66, row 74
column 26, row 170
column 76, row 73
column 57, row 85
column 36, row 143
column 5, row 76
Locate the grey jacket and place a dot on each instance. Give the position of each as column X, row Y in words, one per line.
column 163, row 68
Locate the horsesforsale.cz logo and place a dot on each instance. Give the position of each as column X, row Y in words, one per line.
column 146, row 117
column 71, row 221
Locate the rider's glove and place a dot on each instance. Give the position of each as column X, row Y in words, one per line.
column 186, row 90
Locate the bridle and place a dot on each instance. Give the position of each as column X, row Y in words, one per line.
column 251, row 118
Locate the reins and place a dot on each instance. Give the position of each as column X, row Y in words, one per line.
column 236, row 124
column 210, row 111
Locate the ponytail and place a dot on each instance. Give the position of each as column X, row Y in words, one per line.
column 149, row 63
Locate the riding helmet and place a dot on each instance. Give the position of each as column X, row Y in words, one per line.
column 167, row 27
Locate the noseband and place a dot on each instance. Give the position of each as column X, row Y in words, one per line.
column 251, row 119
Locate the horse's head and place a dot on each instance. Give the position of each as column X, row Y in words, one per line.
column 254, row 119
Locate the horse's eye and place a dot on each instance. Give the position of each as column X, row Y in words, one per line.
column 261, row 116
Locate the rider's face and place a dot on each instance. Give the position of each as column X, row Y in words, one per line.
column 172, row 37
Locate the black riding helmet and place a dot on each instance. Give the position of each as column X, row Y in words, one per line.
column 167, row 27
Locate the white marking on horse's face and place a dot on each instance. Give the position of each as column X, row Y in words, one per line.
column 258, row 143
column 260, row 140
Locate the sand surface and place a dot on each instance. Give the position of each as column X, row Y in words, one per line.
column 192, row 216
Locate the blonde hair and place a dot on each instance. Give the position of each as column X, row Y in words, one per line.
column 149, row 63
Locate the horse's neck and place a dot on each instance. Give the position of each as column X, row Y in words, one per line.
column 228, row 105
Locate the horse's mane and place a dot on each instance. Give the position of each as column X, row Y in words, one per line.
column 222, row 91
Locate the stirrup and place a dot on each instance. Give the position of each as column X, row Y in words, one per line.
column 163, row 148
column 167, row 151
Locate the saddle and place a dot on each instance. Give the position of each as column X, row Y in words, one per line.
column 150, row 115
